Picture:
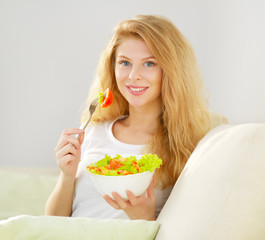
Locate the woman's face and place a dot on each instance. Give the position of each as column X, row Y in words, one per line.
column 138, row 75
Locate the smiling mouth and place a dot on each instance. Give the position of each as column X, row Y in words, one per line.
column 137, row 90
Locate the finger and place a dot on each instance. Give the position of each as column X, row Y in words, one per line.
column 132, row 198
column 81, row 139
column 67, row 149
column 154, row 177
column 65, row 140
column 67, row 159
column 111, row 202
column 66, row 134
column 119, row 200
column 150, row 192
column 72, row 131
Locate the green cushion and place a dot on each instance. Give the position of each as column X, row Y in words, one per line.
column 50, row 227
column 24, row 194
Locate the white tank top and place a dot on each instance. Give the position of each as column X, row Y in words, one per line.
column 99, row 140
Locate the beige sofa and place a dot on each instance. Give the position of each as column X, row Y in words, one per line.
column 219, row 195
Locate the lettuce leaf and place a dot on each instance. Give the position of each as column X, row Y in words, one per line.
column 100, row 97
column 149, row 162
column 103, row 162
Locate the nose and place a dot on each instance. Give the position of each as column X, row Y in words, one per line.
column 135, row 73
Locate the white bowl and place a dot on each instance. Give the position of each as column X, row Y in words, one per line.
column 137, row 183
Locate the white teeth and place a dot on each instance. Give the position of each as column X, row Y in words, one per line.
column 137, row 89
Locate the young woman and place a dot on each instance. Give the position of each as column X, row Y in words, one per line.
column 159, row 107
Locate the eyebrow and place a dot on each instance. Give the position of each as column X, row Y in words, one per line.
column 150, row 57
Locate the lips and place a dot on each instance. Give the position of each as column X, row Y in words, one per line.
column 137, row 90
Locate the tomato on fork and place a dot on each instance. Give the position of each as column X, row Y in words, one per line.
column 106, row 99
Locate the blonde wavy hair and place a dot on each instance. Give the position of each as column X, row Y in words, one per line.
column 184, row 116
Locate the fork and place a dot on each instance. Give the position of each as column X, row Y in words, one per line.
column 92, row 109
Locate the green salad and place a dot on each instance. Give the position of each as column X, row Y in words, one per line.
column 118, row 165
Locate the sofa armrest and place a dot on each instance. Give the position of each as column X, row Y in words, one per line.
column 221, row 192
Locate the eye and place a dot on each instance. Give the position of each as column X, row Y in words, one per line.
column 124, row 63
column 149, row 64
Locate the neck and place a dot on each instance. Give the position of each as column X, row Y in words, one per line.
column 145, row 119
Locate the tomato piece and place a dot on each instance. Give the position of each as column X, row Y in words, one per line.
column 124, row 172
column 115, row 163
column 107, row 98
column 108, row 167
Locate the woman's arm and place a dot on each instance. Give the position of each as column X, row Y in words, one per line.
column 61, row 199
column 68, row 153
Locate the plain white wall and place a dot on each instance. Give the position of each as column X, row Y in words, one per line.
column 49, row 51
